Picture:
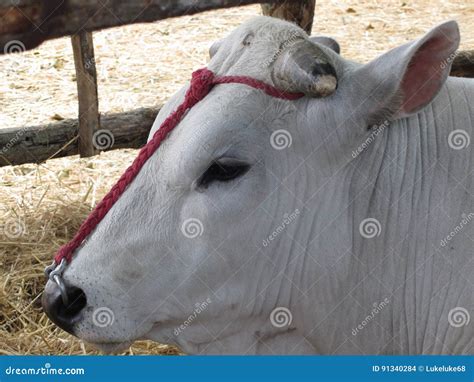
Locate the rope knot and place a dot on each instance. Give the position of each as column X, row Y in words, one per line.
column 202, row 81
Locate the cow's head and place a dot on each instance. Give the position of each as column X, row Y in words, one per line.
column 222, row 225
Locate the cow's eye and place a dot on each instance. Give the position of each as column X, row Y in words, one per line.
column 223, row 170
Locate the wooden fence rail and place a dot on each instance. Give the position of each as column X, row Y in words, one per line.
column 35, row 144
column 34, row 21
column 463, row 64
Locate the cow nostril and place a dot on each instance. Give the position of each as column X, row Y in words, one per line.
column 76, row 302
column 65, row 316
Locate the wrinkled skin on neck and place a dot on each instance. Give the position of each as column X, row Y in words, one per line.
column 286, row 233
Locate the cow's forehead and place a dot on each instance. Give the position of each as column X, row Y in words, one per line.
column 265, row 33
column 250, row 49
column 263, row 27
column 231, row 121
column 229, row 111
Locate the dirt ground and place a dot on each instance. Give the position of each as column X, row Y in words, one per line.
column 138, row 66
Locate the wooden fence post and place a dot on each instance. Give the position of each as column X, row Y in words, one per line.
column 299, row 12
column 86, row 76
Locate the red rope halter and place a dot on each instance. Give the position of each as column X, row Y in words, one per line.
column 201, row 84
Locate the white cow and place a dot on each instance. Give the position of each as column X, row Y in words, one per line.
column 338, row 224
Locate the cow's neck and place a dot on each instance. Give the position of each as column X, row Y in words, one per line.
column 415, row 186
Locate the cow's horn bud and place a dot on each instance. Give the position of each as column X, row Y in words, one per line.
column 304, row 67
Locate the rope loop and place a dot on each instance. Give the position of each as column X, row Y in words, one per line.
column 202, row 81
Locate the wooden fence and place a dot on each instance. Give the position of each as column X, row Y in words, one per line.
column 30, row 22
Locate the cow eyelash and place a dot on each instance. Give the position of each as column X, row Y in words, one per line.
column 223, row 170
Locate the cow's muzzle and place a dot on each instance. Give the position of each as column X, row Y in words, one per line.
column 65, row 315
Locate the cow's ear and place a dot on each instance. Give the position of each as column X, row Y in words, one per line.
column 407, row 78
column 327, row 41
column 214, row 48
